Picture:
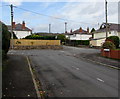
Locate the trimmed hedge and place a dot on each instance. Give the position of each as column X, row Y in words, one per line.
column 78, row 42
column 38, row 37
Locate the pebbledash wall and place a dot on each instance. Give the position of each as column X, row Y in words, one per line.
column 28, row 44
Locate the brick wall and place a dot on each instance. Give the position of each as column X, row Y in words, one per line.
column 111, row 54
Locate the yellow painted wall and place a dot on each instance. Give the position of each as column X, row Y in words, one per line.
column 26, row 42
column 93, row 42
column 97, row 42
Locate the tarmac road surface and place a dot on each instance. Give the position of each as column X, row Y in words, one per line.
column 63, row 75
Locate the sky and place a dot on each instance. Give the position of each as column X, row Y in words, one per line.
column 38, row 14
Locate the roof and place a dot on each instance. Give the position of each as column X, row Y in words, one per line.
column 18, row 27
column 111, row 27
column 78, row 32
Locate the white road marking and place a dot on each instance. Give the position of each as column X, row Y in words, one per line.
column 100, row 80
column 77, row 68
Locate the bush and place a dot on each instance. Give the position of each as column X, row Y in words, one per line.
column 114, row 39
column 108, row 45
column 5, row 38
column 61, row 37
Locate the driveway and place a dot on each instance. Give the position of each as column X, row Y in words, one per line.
column 63, row 75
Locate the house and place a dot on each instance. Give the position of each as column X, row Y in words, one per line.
column 20, row 30
column 99, row 36
column 79, row 34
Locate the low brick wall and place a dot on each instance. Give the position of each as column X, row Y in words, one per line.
column 111, row 54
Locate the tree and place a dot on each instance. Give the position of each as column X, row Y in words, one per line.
column 93, row 30
column 14, row 36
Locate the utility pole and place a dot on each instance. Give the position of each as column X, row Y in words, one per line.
column 49, row 28
column 106, row 18
column 11, row 6
column 65, row 27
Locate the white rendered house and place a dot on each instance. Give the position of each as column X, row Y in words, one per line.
column 79, row 34
column 20, row 30
column 99, row 36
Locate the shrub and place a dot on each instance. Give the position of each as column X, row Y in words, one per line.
column 108, row 45
column 114, row 39
column 5, row 38
column 61, row 37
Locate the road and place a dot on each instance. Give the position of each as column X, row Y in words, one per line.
column 63, row 75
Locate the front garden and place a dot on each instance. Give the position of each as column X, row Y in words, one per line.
column 111, row 48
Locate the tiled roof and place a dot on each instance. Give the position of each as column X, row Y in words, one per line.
column 111, row 26
column 18, row 27
column 78, row 32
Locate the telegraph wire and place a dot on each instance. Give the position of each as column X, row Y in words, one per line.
column 53, row 16
column 4, row 5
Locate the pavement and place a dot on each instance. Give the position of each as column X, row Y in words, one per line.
column 93, row 55
column 16, row 78
column 62, row 74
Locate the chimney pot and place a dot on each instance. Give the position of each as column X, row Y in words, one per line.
column 23, row 25
column 13, row 25
column 80, row 30
column 88, row 29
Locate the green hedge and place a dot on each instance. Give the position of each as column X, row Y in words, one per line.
column 61, row 37
column 38, row 37
column 78, row 42
column 5, row 38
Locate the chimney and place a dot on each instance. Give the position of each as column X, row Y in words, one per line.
column 13, row 24
column 87, row 29
column 23, row 25
column 80, row 30
column 71, row 31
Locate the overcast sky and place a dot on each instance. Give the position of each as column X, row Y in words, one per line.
column 80, row 13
